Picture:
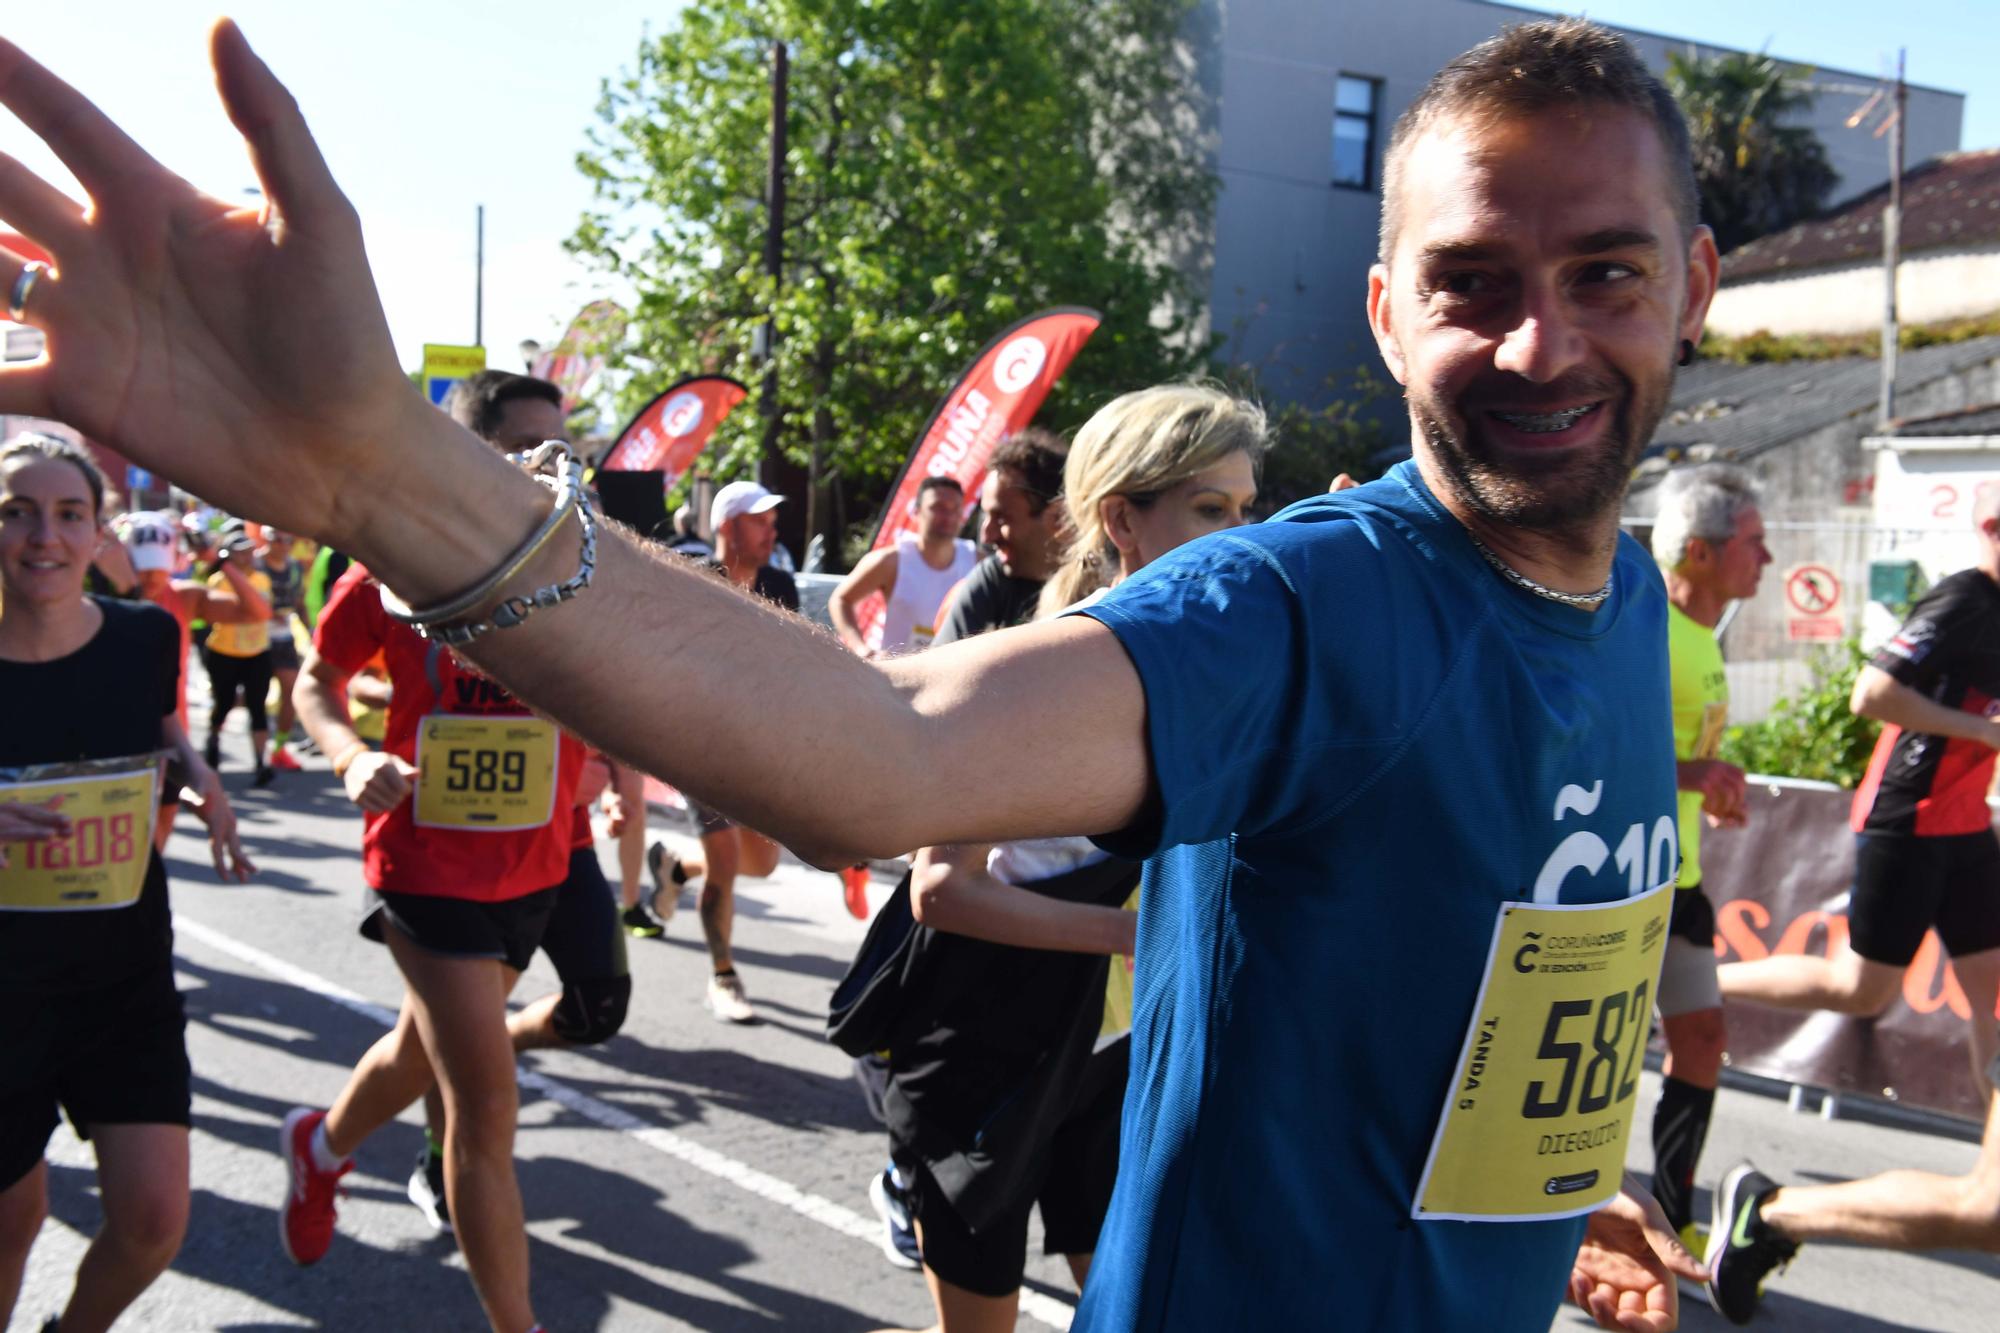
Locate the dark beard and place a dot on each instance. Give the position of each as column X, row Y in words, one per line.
column 1565, row 495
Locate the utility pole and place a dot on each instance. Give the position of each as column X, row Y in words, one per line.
column 774, row 263
column 1892, row 226
column 479, row 277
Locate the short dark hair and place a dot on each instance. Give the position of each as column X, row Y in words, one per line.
column 1559, row 64
column 48, row 448
column 477, row 402
column 935, row 482
column 1036, row 456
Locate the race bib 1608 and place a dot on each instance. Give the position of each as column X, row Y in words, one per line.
column 102, row 863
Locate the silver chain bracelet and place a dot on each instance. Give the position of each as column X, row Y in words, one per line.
column 557, row 468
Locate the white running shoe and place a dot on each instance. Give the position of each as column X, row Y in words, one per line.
column 727, row 1001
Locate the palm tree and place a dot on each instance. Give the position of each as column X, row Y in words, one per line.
column 1757, row 174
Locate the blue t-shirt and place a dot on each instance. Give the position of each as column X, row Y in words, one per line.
column 1363, row 740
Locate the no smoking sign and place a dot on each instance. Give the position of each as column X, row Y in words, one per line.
column 1812, row 603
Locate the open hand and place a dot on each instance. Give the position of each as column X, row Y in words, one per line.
column 241, row 352
column 225, row 847
column 1626, row 1269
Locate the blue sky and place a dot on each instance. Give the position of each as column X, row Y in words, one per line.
column 426, row 110
column 1952, row 44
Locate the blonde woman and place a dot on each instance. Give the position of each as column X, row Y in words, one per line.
column 1006, row 1093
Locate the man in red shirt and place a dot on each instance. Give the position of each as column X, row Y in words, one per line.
column 468, row 832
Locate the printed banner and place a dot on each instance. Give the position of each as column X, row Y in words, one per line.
column 578, row 356
column 1780, row 886
column 670, row 432
column 999, row 393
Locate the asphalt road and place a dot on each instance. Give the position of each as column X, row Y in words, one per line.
column 688, row 1174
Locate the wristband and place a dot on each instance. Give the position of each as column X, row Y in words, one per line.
column 345, row 759
column 566, row 482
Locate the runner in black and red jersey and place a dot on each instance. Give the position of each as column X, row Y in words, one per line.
column 468, row 834
column 1925, row 855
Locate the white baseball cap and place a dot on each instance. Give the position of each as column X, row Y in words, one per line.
column 152, row 539
column 737, row 499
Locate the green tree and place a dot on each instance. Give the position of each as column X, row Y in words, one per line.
column 1811, row 734
column 950, row 168
column 1757, row 173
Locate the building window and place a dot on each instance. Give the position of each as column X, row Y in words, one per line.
column 1355, row 100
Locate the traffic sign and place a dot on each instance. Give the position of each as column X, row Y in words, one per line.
column 1812, row 603
column 446, row 364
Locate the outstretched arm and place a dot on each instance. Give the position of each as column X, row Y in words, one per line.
column 876, row 573
column 952, row 890
column 1880, row 696
column 193, row 335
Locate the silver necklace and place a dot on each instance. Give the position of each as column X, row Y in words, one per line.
column 1584, row 600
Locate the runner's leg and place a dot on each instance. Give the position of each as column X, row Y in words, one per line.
column 24, row 1205
column 962, row 1311
column 391, row 1074
column 288, row 713
column 719, row 852
column 1687, row 1102
column 631, row 787
column 1979, row 977
column 1905, row 1210
column 1847, row 983
column 460, row 1012
column 757, row 855
column 142, row 1174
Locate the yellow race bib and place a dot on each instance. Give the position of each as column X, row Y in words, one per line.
column 486, row 774
column 1118, row 990
column 1534, row 1127
column 102, row 864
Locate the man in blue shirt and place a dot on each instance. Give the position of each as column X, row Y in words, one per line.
column 1346, row 738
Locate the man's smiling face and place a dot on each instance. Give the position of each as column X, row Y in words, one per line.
column 1534, row 305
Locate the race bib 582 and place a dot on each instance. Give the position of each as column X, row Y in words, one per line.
column 1535, row 1123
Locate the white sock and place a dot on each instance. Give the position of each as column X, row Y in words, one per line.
column 323, row 1156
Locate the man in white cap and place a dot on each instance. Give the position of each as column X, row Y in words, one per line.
column 745, row 532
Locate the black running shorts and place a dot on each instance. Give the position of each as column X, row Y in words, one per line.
column 116, row 1055
column 284, row 653
column 508, row 932
column 1080, row 1167
column 584, row 938
column 1905, row 885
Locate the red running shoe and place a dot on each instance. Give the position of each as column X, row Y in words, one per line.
column 282, row 760
column 854, row 888
column 305, row 1219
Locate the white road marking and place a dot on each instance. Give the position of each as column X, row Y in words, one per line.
column 1037, row 1306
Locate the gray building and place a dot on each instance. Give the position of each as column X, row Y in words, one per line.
column 1303, row 94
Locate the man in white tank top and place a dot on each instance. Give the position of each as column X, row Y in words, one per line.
column 914, row 576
